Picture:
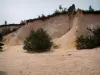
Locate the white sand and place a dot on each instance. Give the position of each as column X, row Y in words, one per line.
column 15, row 61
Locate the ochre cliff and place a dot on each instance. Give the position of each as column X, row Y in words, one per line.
column 62, row 28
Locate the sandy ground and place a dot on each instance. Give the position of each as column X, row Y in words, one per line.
column 16, row 61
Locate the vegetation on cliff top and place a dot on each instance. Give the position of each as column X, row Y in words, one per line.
column 1, row 44
column 59, row 11
column 62, row 10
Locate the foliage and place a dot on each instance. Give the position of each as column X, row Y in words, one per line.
column 0, row 49
column 93, row 12
column 60, row 7
column 43, row 17
column 59, row 11
column 64, row 11
column 96, row 35
column 90, row 41
column 84, row 42
column 5, row 23
column 23, row 22
column 90, row 8
column 38, row 41
column 1, row 44
column 56, row 12
column 5, row 31
column 71, row 9
column 1, row 37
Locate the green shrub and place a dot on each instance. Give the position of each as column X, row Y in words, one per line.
column 1, row 44
column 85, row 42
column 96, row 35
column 71, row 9
column 0, row 49
column 91, row 41
column 56, row 12
column 5, row 31
column 38, row 41
column 1, row 37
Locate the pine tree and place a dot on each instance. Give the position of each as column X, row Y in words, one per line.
column 90, row 8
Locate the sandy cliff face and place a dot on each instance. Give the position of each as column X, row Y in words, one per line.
column 55, row 26
column 62, row 29
column 87, row 21
column 67, row 41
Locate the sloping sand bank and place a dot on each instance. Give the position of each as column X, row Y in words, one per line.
column 67, row 41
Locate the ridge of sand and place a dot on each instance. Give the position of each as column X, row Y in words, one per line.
column 67, row 41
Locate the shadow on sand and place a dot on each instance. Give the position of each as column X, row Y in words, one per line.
column 3, row 73
column 32, row 52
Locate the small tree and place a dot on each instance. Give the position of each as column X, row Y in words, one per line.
column 38, row 41
column 56, row 12
column 64, row 11
column 90, row 8
column 71, row 9
column 43, row 17
column 60, row 7
column 5, row 31
column 23, row 22
column 1, row 37
column 5, row 23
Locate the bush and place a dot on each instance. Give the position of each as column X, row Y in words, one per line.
column 96, row 35
column 85, row 42
column 5, row 31
column 1, row 37
column 1, row 44
column 0, row 49
column 57, row 12
column 71, row 9
column 91, row 41
column 38, row 41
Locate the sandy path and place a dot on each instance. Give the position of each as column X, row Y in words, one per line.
column 15, row 61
